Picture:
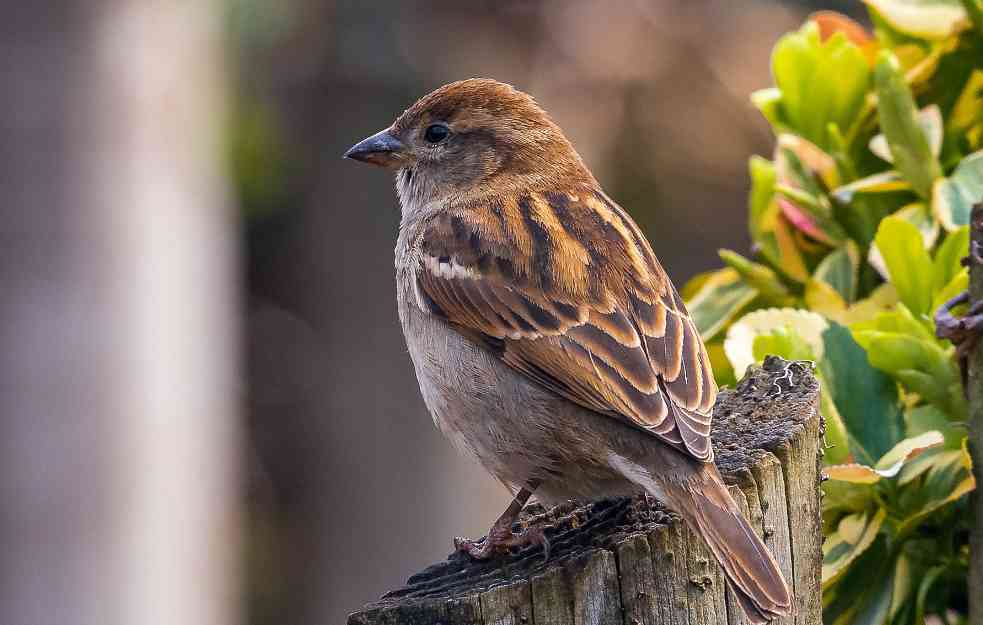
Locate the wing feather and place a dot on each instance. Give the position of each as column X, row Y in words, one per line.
column 565, row 289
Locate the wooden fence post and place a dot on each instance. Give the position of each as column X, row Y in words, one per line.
column 633, row 561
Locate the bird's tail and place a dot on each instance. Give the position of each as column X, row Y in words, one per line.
column 752, row 571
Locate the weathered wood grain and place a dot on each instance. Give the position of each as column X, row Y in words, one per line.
column 632, row 561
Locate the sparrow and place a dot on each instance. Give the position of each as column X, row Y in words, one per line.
column 548, row 341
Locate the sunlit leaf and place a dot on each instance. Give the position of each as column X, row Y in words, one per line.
column 839, row 551
column 958, row 284
column 930, row 121
column 842, row 496
column 822, row 298
column 852, row 473
column 953, row 197
column 881, row 299
column 949, row 255
column 886, row 182
column 820, row 81
column 866, row 398
column 769, row 102
column 890, row 463
column 760, row 277
column 968, row 108
column 909, row 147
column 930, row 19
column 739, row 344
column 919, row 216
column 722, row 295
column 947, row 480
column 908, row 264
column 769, row 229
column 839, row 270
column 926, row 417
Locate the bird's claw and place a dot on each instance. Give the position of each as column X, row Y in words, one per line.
column 962, row 331
column 501, row 540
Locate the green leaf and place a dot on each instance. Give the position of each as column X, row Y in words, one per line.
column 917, row 362
column 908, row 264
column 882, row 299
column 890, row 463
column 918, row 215
column 840, row 269
column 958, row 284
column 900, row 321
column 866, row 398
column 926, row 418
column 769, row 102
column 930, row 121
column 911, row 153
column 760, row 277
column 947, row 480
column 948, row 258
column 844, row 599
column 769, row 230
column 967, row 110
column 885, row 182
column 856, row 532
column 820, row 82
column 722, row 295
column 722, row 371
column 928, row 19
column 928, row 580
column 875, row 608
column 840, row 497
column 740, row 341
column 782, row 342
column 953, row 197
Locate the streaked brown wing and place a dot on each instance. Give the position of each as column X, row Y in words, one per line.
column 564, row 288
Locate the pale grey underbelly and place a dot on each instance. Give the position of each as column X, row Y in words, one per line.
column 514, row 428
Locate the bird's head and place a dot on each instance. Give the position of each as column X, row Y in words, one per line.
column 472, row 137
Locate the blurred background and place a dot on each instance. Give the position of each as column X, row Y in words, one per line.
column 203, row 384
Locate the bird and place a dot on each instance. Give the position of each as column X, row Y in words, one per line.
column 548, row 341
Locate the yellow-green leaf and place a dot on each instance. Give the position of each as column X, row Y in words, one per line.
column 908, row 264
column 919, row 216
column 839, row 551
column 885, row 182
column 930, row 121
column 739, row 344
column 721, row 296
column 890, row 463
column 909, row 147
column 953, row 197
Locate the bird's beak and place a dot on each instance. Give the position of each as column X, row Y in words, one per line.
column 382, row 149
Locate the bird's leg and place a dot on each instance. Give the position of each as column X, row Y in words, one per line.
column 500, row 537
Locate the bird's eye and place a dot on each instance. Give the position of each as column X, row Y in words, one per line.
column 436, row 133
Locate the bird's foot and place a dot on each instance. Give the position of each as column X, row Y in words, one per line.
column 962, row 331
column 501, row 539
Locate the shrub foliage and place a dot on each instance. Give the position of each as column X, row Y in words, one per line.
column 859, row 222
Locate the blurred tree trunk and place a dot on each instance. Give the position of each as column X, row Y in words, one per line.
column 119, row 441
